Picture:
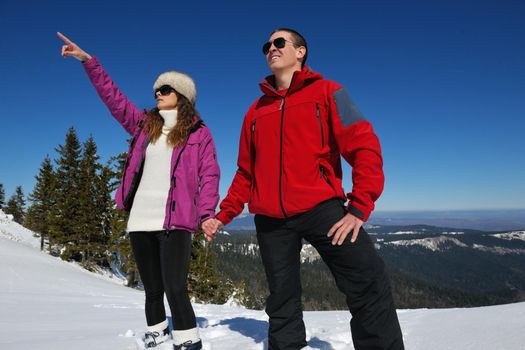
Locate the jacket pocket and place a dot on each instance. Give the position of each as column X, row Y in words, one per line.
column 326, row 173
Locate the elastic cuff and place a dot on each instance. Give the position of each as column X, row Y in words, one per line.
column 221, row 216
column 352, row 209
column 159, row 327
column 182, row 336
column 206, row 217
column 92, row 61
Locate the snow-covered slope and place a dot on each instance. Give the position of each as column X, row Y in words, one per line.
column 432, row 243
column 46, row 303
column 16, row 232
column 511, row 235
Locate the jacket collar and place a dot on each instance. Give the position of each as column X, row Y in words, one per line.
column 197, row 123
column 300, row 79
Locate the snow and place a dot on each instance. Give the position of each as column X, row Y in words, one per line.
column 253, row 248
column 309, row 253
column 432, row 243
column 498, row 250
column 16, row 232
column 403, row 233
column 511, row 235
column 48, row 304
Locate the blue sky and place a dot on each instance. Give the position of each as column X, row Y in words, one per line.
column 443, row 83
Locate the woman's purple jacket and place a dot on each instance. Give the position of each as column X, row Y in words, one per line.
column 194, row 190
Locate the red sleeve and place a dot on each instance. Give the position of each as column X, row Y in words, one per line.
column 239, row 191
column 360, row 147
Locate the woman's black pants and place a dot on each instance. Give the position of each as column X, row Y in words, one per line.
column 163, row 260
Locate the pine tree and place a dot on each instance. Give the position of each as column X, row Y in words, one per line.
column 123, row 258
column 89, row 213
column 2, row 196
column 204, row 283
column 42, row 200
column 105, row 204
column 16, row 205
column 64, row 227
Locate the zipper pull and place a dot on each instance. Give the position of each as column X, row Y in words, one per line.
column 282, row 104
column 253, row 126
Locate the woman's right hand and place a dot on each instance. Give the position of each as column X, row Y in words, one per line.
column 72, row 49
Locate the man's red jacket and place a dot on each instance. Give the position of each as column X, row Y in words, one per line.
column 289, row 151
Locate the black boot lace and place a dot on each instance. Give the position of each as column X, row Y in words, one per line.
column 150, row 339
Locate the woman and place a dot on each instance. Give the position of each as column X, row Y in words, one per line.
column 169, row 186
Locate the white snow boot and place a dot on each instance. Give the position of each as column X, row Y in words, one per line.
column 153, row 339
column 154, row 336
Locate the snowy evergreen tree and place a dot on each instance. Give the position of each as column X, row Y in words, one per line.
column 16, row 205
column 42, row 199
column 89, row 215
column 120, row 243
column 64, row 228
column 105, row 204
column 204, row 283
column 121, row 247
column 2, row 196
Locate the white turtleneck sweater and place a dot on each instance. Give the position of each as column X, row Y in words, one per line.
column 149, row 205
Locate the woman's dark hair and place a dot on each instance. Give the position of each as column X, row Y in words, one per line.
column 186, row 114
column 297, row 39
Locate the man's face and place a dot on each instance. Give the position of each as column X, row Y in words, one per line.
column 284, row 58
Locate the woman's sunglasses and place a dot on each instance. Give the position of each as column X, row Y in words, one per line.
column 277, row 42
column 164, row 90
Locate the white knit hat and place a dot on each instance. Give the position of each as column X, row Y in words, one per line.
column 180, row 82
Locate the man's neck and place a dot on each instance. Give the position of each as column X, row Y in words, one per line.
column 283, row 78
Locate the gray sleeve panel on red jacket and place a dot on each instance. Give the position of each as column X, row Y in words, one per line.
column 355, row 212
column 346, row 108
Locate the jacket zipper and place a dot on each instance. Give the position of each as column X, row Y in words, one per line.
column 136, row 179
column 174, row 182
column 252, row 153
column 320, row 123
column 140, row 125
column 281, row 160
column 321, row 171
column 318, row 112
column 123, row 180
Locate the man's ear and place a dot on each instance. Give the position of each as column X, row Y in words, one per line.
column 300, row 52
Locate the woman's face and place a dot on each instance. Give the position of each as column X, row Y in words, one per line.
column 165, row 102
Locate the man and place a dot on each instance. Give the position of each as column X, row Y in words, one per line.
column 289, row 172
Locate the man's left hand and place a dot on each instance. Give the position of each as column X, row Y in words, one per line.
column 342, row 228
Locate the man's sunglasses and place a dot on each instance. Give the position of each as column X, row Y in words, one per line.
column 277, row 42
column 164, row 90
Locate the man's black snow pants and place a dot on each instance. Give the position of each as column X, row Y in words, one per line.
column 358, row 270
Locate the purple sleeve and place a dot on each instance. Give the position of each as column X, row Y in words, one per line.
column 122, row 109
column 209, row 175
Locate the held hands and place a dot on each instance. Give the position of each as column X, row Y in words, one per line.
column 72, row 49
column 210, row 228
column 343, row 227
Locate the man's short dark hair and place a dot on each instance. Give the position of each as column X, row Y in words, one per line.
column 297, row 39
